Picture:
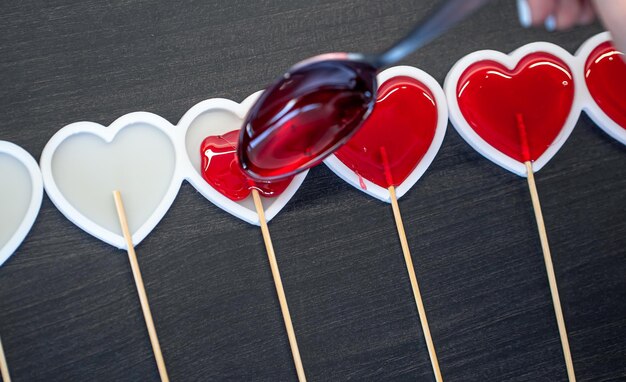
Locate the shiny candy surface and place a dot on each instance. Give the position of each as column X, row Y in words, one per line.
column 492, row 98
column 605, row 74
column 222, row 171
column 400, row 130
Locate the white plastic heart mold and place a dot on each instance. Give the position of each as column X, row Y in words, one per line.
column 510, row 62
column 214, row 117
column 146, row 158
column 20, row 196
column 84, row 162
column 381, row 193
column 591, row 106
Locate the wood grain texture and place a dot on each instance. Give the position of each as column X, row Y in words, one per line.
column 68, row 307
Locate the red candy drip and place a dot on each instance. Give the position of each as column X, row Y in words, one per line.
column 492, row 98
column 221, row 170
column 605, row 74
column 395, row 137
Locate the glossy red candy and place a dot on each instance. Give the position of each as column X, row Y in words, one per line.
column 539, row 90
column 221, row 170
column 605, row 74
column 399, row 131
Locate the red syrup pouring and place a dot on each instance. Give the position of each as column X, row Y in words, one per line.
column 396, row 136
column 605, row 74
column 491, row 97
column 219, row 167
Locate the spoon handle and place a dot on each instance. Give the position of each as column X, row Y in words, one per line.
column 447, row 14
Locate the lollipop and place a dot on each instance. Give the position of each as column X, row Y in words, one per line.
column 517, row 110
column 20, row 200
column 604, row 72
column 221, row 170
column 83, row 163
column 396, row 144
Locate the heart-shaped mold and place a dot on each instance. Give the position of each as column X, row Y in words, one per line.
column 603, row 72
column 408, row 123
column 20, row 196
column 84, row 162
column 489, row 91
column 216, row 117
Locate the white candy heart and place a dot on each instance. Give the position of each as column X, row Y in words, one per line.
column 347, row 174
column 591, row 107
column 84, row 162
column 219, row 116
column 21, row 193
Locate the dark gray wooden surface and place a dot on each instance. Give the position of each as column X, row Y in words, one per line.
column 68, row 306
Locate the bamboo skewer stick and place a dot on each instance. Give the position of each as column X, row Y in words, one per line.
column 416, row 289
column 408, row 260
column 291, row 334
column 143, row 297
column 4, row 369
column 545, row 248
column 547, row 257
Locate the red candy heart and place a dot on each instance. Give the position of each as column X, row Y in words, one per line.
column 605, row 74
column 396, row 135
column 221, row 170
column 540, row 89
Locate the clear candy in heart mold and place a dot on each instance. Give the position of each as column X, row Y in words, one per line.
column 400, row 129
column 140, row 161
column 21, row 192
column 220, row 168
column 540, row 89
column 15, row 195
column 605, row 75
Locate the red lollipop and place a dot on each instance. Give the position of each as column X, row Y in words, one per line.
column 517, row 110
column 540, row 88
column 403, row 123
column 603, row 70
column 605, row 74
column 221, row 170
column 409, row 122
column 393, row 148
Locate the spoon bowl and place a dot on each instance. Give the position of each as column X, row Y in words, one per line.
column 306, row 115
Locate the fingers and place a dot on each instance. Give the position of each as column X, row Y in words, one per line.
column 613, row 13
column 555, row 14
column 540, row 10
column 587, row 13
column 564, row 14
column 567, row 13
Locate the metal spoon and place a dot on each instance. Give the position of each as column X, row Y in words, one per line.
column 321, row 102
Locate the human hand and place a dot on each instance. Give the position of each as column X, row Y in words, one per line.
column 565, row 14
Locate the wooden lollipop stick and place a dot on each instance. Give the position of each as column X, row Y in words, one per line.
column 4, row 369
column 547, row 257
column 408, row 260
column 143, row 297
column 291, row 334
column 545, row 247
column 416, row 289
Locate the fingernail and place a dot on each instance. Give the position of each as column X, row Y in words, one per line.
column 550, row 23
column 523, row 12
